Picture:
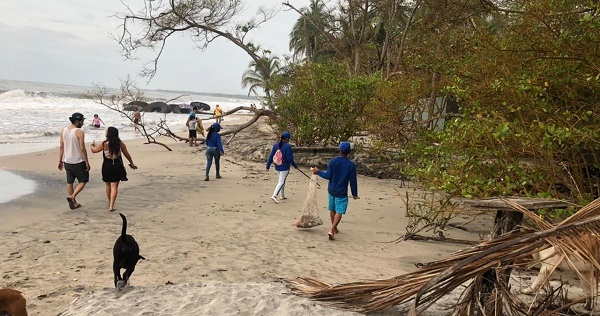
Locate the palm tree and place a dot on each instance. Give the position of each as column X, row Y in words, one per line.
column 308, row 36
column 259, row 74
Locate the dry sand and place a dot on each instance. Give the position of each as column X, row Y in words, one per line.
column 212, row 248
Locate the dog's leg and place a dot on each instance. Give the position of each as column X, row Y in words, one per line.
column 542, row 278
column 128, row 273
column 117, row 272
column 586, row 286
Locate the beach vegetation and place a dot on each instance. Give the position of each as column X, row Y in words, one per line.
column 522, row 76
column 321, row 104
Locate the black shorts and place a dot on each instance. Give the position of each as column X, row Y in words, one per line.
column 136, row 121
column 97, row 126
column 192, row 133
column 77, row 171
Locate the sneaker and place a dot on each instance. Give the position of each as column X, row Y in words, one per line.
column 274, row 199
column 206, row 179
column 219, row 176
column 283, row 198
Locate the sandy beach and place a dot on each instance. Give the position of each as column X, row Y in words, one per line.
column 212, row 248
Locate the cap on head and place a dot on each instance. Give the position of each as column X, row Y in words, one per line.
column 345, row 147
column 216, row 126
column 76, row 117
column 286, row 135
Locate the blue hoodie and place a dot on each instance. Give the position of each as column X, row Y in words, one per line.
column 340, row 171
column 286, row 153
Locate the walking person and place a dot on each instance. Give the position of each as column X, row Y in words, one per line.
column 282, row 157
column 214, row 149
column 73, row 158
column 191, row 123
column 137, row 119
column 96, row 121
column 218, row 114
column 341, row 171
column 113, row 169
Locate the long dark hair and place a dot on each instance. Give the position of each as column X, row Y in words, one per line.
column 114, row 142
column 281, row 141
column 210, row 132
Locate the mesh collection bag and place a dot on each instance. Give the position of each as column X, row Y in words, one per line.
column 310, row 218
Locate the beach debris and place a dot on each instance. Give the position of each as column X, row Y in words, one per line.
column 310, row 218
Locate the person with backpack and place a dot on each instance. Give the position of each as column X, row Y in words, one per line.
column 283, row 157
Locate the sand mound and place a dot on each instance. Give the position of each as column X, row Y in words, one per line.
column 211, row 298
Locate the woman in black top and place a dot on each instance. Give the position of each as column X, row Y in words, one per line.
column 113, row 170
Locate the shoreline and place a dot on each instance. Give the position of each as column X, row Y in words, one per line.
column 195, row 231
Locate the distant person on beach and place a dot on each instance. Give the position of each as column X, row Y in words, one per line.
column 191, row 123
column 96, row 121
column 73, row 158
column 137, row 118
column 214, row 149
column 218, row 114
column 283, row 157
column 341, row 171
column 113, row 170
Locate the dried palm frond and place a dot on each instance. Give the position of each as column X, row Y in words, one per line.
column 432, row 281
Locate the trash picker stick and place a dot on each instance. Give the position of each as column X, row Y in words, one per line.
column 306, row 175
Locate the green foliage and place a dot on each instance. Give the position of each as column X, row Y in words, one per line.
column 322, row 103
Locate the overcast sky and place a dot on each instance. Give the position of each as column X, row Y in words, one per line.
column 68, row 42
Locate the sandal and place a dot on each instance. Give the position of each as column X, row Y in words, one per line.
column 71, row 203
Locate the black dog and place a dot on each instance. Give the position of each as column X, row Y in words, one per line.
column 126, row 254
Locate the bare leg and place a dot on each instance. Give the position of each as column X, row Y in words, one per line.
column 114, row 190
column 73, row 192
column 336, row 221
column 332, row 216
column 107, row 189
column 70, row 189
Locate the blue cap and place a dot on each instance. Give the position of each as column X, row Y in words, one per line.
column 192, row 114
column 216, row 126
column 286, row 135
column 345, row 147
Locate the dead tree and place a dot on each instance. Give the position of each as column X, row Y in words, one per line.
column 204, row 21
column 129, row 92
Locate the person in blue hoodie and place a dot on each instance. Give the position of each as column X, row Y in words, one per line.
column 340, row 172
column 283, row 169
column 214, row 149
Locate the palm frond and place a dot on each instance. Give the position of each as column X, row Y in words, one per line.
column 429, row 283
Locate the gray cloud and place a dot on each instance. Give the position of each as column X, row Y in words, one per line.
column 68, row 42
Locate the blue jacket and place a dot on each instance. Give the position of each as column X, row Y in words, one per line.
column 286, row 153
column 340, row 171
column 215, row 141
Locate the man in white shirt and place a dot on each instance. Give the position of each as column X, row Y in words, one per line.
column 73, row 158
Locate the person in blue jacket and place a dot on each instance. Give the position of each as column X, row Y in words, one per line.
column 284, row 168
column 340, row 172
column 214, row 149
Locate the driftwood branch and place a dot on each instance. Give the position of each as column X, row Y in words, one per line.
column 128, row 91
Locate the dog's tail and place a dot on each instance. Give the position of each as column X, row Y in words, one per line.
column 124, row 229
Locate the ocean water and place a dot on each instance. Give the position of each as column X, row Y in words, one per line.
column 32, row 114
